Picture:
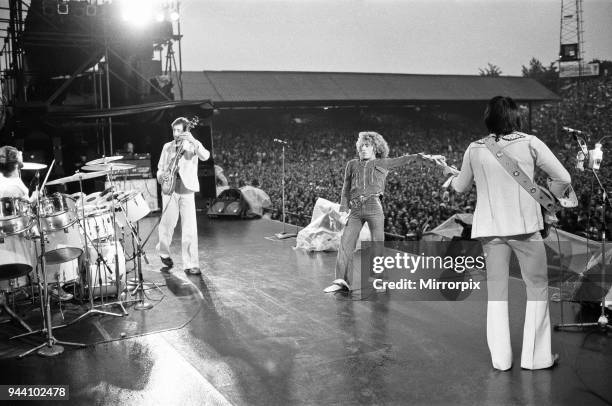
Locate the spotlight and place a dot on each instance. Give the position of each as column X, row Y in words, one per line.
column 62, row 8
column 174, row 16
column 159, row 17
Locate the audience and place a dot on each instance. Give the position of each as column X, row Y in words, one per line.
column 318, row 146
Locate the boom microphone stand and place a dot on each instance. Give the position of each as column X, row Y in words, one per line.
column 602, row 322
column 284, row 234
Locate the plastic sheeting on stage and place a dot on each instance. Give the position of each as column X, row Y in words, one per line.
column 258, row 201
column 572, row 260
column 325, row 229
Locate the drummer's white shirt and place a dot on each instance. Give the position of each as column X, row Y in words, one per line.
column 12, row 187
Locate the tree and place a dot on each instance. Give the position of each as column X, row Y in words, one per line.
column 490, row 70
column 547, row 76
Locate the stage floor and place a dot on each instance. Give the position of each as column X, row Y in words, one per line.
column 256, row 329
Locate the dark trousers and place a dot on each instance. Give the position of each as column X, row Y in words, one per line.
column 371, row 211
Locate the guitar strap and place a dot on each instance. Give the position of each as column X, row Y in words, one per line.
column 515, row 171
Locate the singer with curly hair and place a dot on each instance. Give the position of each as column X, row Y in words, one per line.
column 364, row 185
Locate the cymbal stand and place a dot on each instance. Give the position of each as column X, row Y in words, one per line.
column 140, row 288
column 92, row 307
column 52, row 346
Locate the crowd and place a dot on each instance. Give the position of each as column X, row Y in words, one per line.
column 319, row 148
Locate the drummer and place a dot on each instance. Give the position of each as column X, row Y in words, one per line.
column 11, row 185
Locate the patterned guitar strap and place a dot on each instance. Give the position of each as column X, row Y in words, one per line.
column 515, row 171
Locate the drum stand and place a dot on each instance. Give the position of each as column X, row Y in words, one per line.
column 141, row 285
column 10, row 312
column 52, row 346
column 92, row 307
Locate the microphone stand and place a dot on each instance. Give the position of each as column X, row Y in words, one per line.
column 602, row 322
column 284, row 234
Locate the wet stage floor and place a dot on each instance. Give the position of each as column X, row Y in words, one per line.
column 256, row 329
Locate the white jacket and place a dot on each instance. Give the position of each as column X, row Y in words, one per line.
column 503, row 207
column 188, row 163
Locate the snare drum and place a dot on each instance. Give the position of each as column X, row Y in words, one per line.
column 107, row 274
column 57, row 212
column 63, row 245
column 134, row 204
column 15, row 215
column 99, row 224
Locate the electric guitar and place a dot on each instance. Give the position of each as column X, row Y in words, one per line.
column 550, row 203
column 168, row 178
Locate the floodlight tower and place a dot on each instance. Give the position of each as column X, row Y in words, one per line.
column 571, row 42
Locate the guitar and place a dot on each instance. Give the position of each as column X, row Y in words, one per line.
column 168, row 178
column 549, row 202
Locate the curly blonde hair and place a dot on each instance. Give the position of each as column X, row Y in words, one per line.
column 381, row 149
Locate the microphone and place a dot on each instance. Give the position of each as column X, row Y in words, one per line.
column 571, row 130
column 280, row 141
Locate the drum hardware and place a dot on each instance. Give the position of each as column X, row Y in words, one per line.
column 92, row 307
column 51, row 347
column 141, row 286
column 18, row 270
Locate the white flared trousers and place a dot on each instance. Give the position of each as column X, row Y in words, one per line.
column 531, row 254
column 173, row 205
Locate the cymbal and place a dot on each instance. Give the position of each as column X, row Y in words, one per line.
column 76, row 177
column 104, row 160
column 32, row 166
column 110, row 167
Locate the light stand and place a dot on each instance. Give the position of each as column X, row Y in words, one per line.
column 602, row 322
column 284, row 234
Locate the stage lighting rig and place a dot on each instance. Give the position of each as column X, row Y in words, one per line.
column 62, row 8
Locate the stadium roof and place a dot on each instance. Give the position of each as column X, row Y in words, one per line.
column 267, row 88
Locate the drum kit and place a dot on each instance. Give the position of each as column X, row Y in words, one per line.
column 54, row 237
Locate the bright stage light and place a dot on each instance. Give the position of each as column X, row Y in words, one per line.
column 174, row 16
column 138, row 12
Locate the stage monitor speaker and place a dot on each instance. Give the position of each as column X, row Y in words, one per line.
column 230, row 203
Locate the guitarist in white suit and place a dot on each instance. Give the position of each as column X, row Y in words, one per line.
column 508, row 219
column 181, row 199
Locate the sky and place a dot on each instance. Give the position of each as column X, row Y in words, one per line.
column 395, row 36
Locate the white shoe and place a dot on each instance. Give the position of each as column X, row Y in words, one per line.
column 337, row 285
